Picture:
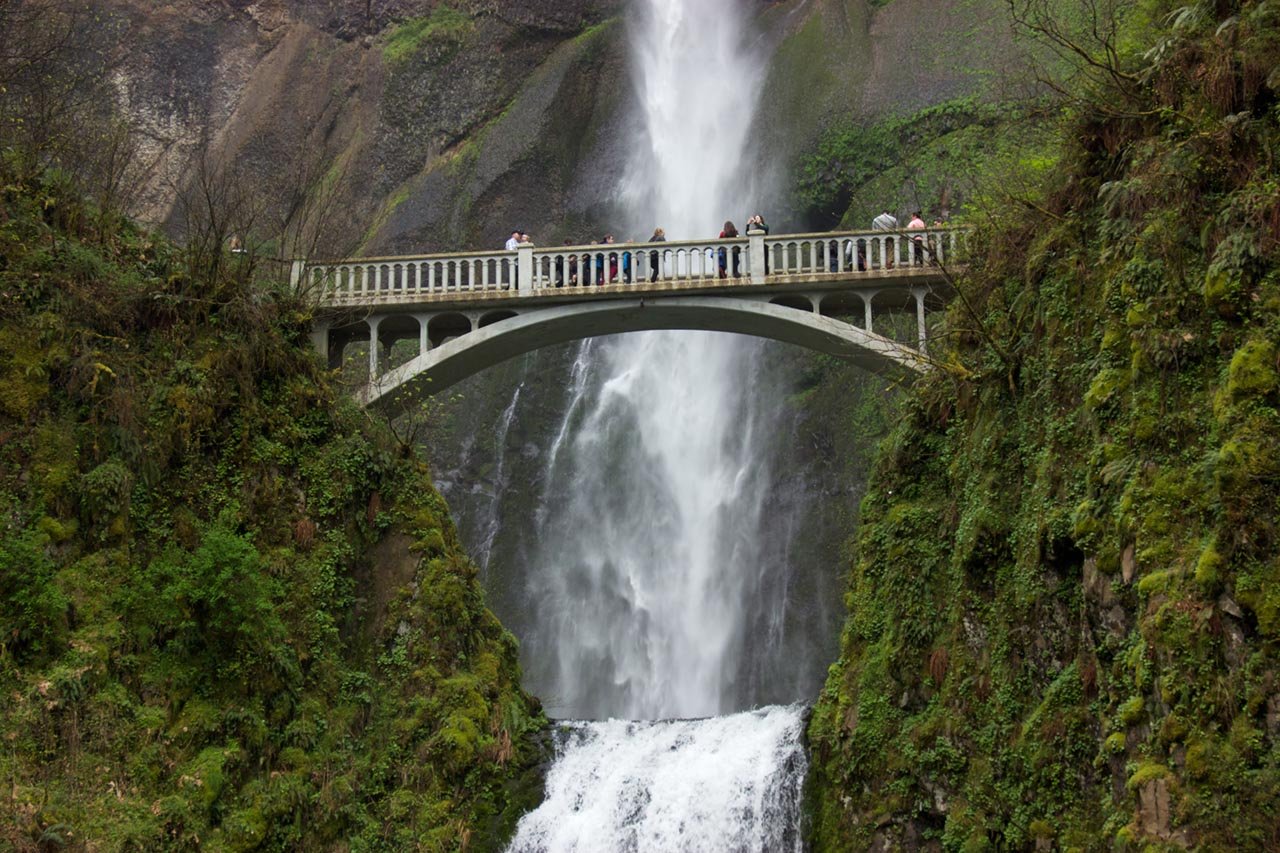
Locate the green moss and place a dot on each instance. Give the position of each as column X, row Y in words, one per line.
column 1253, row 371
column 1116, row 743
column 444, row 26
column 1222, row 291
column 1106, row 385
column 1156, row 582
column 1147, row 771
column 1209, row 568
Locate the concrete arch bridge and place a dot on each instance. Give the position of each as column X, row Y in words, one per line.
column 471, row 310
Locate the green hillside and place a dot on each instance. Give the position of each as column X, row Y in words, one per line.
column 234, row 613
column 1063, row 606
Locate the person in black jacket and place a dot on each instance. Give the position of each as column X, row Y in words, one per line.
column 659, row 236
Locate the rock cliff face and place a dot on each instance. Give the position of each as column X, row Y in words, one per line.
column 432, row 125
column 376, row 96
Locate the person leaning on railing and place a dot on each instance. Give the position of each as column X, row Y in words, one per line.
column 886, row 221
column 917, row 241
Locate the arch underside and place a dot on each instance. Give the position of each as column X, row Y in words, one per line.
column 462, row 357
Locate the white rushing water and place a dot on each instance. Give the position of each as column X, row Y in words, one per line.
column 649, row 546
column 724, row 784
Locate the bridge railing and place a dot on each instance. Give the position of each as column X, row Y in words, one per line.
column 753, row 259
column 380, row 279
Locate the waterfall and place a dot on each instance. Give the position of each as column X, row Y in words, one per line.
column 651, row 590
column 726, row 784
column 649, row 547
column 492, row 518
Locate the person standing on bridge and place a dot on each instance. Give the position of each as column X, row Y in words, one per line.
column 659, row 236
column 917, row 241
column 613, row 260
column 757, row 223
column 513, row 241
column 886, row 221
column 730, row 231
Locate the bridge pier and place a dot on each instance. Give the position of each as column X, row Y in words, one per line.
column 320, row 338
column 921, row 330
column 756, row 258
column 374, row 343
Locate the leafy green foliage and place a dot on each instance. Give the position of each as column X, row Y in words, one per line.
column 1063, row 617
column 234, row 612
column 933, row 160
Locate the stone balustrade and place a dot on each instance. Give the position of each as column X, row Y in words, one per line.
column 753, row 260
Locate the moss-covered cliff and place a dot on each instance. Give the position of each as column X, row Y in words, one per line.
column 1063, row 626
column 234, row 613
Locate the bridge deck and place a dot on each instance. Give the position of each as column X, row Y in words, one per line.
column 766, row 266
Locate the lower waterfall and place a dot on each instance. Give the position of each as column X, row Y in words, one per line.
column 728, row 783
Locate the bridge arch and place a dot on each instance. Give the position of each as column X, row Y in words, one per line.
column 460, row 357
column 799, row 301
column 444, row 327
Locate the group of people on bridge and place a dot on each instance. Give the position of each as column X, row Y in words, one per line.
column 610, row 267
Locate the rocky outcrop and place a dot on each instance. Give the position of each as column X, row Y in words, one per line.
column 436, row 124
column 291, row 93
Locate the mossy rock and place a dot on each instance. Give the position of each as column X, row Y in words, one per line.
column 1223, row 290
column 1253, row 371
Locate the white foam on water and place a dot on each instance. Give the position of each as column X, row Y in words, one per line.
column 730, row 784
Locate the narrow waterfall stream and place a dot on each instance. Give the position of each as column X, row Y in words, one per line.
column 649, row 558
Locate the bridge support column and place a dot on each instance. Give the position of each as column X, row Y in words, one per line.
column 320, row 339
column 755, row 255
column 524, row 268
column 373, row 323
column 867, row 296
column 920, row 327
column 424, row 341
